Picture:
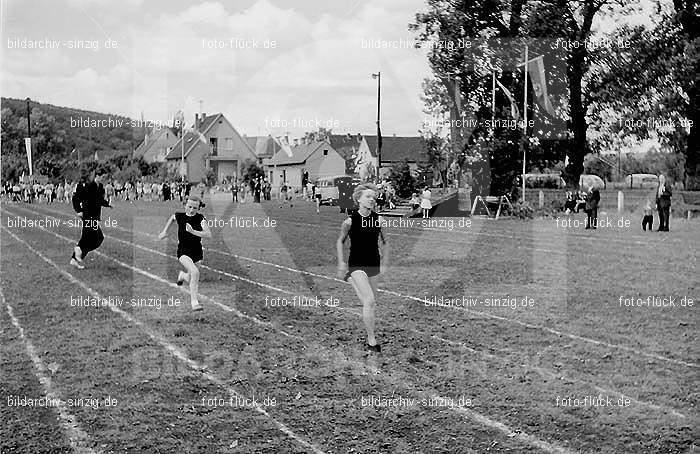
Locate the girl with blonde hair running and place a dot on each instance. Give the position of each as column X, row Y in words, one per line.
column 191, row 228
column 365, row 263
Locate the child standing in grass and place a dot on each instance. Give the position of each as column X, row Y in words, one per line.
column 191, row 228
column 648, row 218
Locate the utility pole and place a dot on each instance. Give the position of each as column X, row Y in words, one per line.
column 378, row 76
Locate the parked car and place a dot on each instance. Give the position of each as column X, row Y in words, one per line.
column 641, row 181
column 328, row 188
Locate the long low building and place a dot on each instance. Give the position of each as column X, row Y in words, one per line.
column 317, row 157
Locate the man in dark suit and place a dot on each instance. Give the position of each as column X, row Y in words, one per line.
column 663, row 203
column 592, row 208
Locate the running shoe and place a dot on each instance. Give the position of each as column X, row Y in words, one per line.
column 77, row 264
column 373, row 348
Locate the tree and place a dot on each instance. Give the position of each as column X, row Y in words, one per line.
column 487, row 22
column 402, row 179
column 251, row 172
column 652, row 86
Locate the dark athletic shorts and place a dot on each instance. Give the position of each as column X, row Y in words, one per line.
column 195, row 255
column 370, row 271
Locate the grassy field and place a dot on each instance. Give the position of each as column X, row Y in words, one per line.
column 537, row 325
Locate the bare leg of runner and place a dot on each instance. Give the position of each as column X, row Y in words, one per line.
column 366, row 289
column 192, row 276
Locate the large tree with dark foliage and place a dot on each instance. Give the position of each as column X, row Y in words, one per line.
column 504, row 22
column 655, row 81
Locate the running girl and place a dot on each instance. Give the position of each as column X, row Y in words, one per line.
column 364, row 261
column 191, row 228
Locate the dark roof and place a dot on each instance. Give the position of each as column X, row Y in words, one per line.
column 191, row 140
column 397, row 149
column 345, row 144
column 205, row 123
column 300, row 153
column 264, row 146
column 153, row 135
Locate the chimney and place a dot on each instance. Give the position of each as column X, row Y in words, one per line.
column 204, row 115
column 393, row 135
column 196, row 121
column 359, row 137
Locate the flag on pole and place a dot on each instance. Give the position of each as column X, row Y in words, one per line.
column 284, row 145
column 28, row 145
column 513, row 105
column 179, row 121
column 200, row 136
column 539, row 83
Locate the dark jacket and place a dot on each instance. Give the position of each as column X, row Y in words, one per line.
column 593, row 199
column 89, row 198
column 664, row 200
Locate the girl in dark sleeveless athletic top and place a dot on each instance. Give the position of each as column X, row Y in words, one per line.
column 365, row 261
column 191, row 228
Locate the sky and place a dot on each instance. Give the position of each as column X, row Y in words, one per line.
column 309, row 66
column 271, row 66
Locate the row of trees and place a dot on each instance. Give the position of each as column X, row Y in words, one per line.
column 61, row 151
column 595, row 87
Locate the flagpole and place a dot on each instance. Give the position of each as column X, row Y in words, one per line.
column 493, row 101
column 182, row 153
column 525, row 122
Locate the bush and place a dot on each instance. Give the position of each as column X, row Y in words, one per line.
column 402, row 180
column 523, row 210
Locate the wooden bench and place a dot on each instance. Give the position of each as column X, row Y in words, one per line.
column 689, row 202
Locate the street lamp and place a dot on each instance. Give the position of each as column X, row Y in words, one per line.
column 378, row 76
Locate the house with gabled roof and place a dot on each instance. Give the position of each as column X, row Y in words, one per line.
column 396, row 150
column 156, row 144
column 212, row 144
column 316, row 157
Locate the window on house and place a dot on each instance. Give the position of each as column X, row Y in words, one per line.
column 214, row 145
column 325, row 152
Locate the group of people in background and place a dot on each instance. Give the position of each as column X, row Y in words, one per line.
column 590, row 200
column 255, row 191
column 148, row 190
column 35, row 192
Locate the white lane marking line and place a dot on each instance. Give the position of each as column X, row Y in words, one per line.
column 77, row 437
column 173, row 350
column 475, row 416
column 541, row 371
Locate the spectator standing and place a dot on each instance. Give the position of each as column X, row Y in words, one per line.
column 663, row 203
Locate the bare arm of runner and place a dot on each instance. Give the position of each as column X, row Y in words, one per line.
column 164, row 233
column 344, row 232
column 383, row 250
column 204, row 233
